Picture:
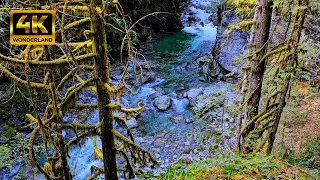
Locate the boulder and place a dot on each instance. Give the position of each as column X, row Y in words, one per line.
column 146, row 78
column 208, row 67
column 155, row 94
column 139, row 140
column 132, row 123
column 192, row 95
column 193, row 18
column 163, row 102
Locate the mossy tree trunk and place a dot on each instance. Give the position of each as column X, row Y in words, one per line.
column 260, row 38
column 265, row 123
column 58, row 119
column 292, row 59
column 102, row 73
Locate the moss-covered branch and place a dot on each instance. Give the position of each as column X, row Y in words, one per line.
column 54, row 64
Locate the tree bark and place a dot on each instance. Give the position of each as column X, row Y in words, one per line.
column 102, row 68
column 260, row 38
column 292, row 59
column 64, row 162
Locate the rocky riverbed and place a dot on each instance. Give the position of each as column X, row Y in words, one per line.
column 188, row 94
column 187, row 91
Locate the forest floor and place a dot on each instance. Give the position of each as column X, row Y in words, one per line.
column 301, row 124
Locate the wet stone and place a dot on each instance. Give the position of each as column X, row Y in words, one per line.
column 177, row 118
column 132, row 123
column 163, row 102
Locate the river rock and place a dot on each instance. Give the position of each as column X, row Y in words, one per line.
column 163, row 102
column 193, row 18
column 139, row 140
column 147, row 77
column 3, row 140
column 157, row 156
column 130, row 69
column 132, row 123
column 189, row 120
column 208, row 68
column 192, row 95
column 155, row 94
column 177, row 118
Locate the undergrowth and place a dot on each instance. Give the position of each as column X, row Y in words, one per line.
column 222, row 166
column 309, row 158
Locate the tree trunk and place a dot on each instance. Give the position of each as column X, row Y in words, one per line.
column 261, row 36
column 66, row 169
column 102, row 68
column 292, row 59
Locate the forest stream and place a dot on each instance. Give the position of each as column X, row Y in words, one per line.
column 174, row 131
column 171, row 89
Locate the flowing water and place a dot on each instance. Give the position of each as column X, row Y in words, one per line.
column 157, row 133
column 165, row 139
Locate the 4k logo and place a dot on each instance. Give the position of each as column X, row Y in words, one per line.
column 32, row 27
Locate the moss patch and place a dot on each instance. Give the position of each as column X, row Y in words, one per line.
column 254, row 166
column 9, row 131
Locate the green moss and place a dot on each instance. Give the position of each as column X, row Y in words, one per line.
column 223, row 166
column 147, row 175
column 4, row 156
column 228, row 136
column 212, row 148
column 201, row 148
column 9, row 132
column 187, row 150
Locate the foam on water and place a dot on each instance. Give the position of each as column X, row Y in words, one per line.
column 180, row 105
column 204, row 30
column 82, row 157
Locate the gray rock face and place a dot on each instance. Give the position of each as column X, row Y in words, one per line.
column 208, row 67
column 132, row 123
column 229, row 46
column 229, row 49
column 192, row 95
column 163, row 102
column 229, row 18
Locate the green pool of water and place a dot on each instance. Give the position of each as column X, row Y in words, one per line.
column 172, row 45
